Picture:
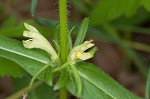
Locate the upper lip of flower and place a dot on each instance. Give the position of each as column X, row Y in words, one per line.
column 37, row 41
column 78, row 52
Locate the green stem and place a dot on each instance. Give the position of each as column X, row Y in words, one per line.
column 63, row 39
column 63, row 29
column 77, row 78
column 39, row 72
column 60, row 68
column 24, row 90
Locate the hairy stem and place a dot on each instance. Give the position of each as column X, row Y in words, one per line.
column 63, row 29
column 63, row 39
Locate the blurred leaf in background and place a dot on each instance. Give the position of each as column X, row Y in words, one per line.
column 10, row 69
column 108, row 10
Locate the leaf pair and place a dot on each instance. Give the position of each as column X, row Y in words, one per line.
column 82, row 32
column 95, row 83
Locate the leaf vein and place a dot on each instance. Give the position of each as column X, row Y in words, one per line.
column 21, row 54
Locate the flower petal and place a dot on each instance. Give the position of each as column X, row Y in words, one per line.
column 86, row 45
column 30, row 34
column 37, row 41
column 30, row 28
column 85, row 56
column 77, row 53
column 30, row 44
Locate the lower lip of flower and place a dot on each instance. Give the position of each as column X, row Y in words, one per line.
column 79, row 54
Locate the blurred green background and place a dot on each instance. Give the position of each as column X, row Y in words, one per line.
column 120, row 29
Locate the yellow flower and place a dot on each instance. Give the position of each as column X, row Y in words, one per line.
column 37, row 41
column 78, row 53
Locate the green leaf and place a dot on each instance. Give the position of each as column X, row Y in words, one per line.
column 93, row 50
column 82, row 32
column 146, row 4
column 40, row 72
column 33, row 7
column 130, row 7
column 89, row 91
column 63, row 80
column 10, row 22
column 80, row 6
column 31, row 60
column 132, row 28
column 56, row 39
column 46, row 22
column 43, row 92
column 136, row 59
column 108, row 10
column 77, row 79
column 70, row 39
column 147, row 89
column 98, row 85
column 17, row 31
column 10, row 68
column 116, row 9
column 100, row 12
column 48, row 76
